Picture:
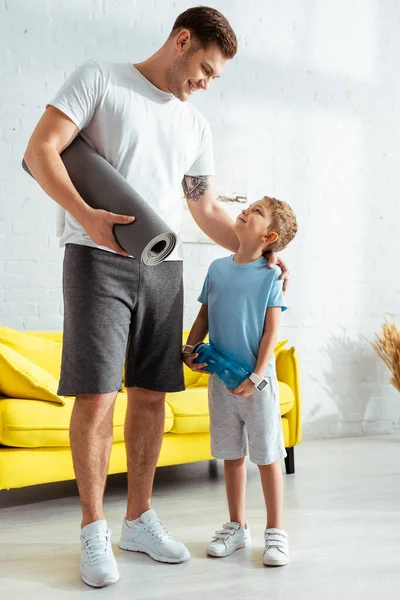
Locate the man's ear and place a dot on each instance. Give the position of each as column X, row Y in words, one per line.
column 184, row 40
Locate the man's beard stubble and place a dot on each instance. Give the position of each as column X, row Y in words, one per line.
column 176, row 75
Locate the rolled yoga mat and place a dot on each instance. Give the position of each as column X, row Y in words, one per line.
column 101, row 186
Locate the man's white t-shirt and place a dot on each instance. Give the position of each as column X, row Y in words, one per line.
column 149, row 136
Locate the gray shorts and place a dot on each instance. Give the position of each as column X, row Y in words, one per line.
column 235, row 420
column 116, row 310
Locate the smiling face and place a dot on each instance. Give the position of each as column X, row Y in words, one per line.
column 193, row 67
column 253, row 225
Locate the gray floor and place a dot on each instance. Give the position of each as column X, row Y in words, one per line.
column 342, row 514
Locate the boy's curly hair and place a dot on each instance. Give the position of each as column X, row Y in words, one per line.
column 283, row 222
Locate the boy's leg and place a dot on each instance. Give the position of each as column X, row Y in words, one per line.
column 263, row 421
column 235, row 482
column 262, row 417
column 235, row 534
column 276, row 552
column 272, row 484
column 228, row 440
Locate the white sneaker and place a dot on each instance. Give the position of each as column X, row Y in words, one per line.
column 230, row 538
column 98, row 564
column 276, row 548
column 150, row 536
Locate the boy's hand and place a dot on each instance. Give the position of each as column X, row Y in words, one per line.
column 198, row 368
column 245, row 389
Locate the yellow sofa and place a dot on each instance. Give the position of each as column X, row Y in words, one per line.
column 34, row 421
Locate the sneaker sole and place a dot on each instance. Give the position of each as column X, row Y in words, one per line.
column 138, row 548
column 228, row 552
column 97, row 585
column 275, row 563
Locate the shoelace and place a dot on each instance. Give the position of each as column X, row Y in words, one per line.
column 157, row 529
column 223, row 534
column 275, row 540
column 97, row 546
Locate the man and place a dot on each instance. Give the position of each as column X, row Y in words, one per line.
column 136, row 116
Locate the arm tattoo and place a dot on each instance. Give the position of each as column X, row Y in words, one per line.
column 195, row 187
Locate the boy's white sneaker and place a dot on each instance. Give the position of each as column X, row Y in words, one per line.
column 98, row 564
column 150, row 536
column 231, row 537
column 276, row 548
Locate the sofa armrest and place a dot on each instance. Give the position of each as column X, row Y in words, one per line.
column 287, row 370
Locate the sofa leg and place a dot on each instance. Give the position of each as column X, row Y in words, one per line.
column 289, row 461
column 213, row 469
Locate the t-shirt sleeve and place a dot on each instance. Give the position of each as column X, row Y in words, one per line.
column 204, row 163
column 276, row 296
column 80, row 94
column 203, row 298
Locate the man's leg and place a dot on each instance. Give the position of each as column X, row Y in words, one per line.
column 142, row 531
column 144, row 429
column 91, row 439
column 99, row 296
column 91, row 431
column 153, row 367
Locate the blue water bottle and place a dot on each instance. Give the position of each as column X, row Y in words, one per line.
column 230, row 370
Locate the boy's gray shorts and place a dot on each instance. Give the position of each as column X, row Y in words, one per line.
column 234, row 419
column 115, row 308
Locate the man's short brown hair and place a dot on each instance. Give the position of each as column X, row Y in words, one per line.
column 283, row 222
column 209, row 26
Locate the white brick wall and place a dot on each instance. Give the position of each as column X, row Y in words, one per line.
column 313, row 84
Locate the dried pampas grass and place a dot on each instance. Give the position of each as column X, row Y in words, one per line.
column 387, row 346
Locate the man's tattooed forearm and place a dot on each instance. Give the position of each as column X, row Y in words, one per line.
column 195, row 187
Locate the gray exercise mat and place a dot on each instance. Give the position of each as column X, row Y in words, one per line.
column 101, row 186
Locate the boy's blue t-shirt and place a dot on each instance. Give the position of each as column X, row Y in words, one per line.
column 238, row 297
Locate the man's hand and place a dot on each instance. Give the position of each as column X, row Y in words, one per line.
column 274, row 259
column 99, row 226
column 197, row 368
column 245, row 389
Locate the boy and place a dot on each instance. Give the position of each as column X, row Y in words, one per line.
column 241, row 305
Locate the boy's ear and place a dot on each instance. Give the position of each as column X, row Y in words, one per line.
column 271, row 237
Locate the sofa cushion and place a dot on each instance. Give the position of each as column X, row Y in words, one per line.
column 190, row 408
column 28, row 424
column 21, row 378
column 279, row 347
column 286, row 398
column 44, row 352
column 55, row 336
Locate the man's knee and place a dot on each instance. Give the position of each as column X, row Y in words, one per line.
column 95, row 405
column 146, row 397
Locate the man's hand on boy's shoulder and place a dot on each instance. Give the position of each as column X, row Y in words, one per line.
column 275, row 259
column 245, row 389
